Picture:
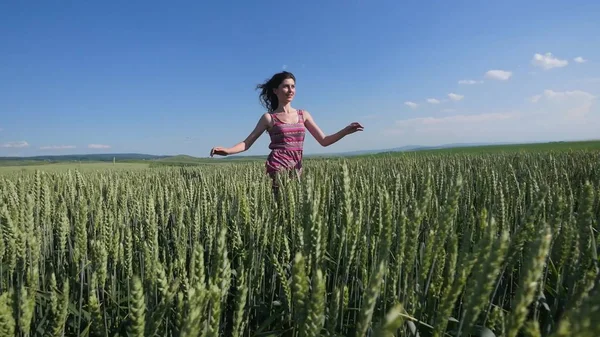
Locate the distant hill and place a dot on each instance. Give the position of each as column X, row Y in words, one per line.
column 187, row 159
column 412, row 148
column 104, row 157
column 178, row 158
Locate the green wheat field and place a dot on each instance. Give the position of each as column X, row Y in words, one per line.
column 436, row 244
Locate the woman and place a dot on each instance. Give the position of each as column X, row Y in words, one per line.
column 286, row 126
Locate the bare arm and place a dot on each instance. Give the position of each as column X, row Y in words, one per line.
column 326, row 140
column 247, row 143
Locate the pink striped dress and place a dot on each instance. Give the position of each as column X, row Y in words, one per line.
column 287, row 143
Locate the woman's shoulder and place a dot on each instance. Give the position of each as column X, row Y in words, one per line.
column 304, row 113
column 266, row 118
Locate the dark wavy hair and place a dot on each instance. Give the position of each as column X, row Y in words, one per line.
column 267, row 97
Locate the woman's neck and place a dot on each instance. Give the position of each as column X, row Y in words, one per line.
column 285, row 108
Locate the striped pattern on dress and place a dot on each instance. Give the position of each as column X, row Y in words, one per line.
column 287, row 144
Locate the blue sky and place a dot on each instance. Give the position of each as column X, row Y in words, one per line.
column 180, row 77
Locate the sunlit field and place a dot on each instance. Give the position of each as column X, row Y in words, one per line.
column 439, row 244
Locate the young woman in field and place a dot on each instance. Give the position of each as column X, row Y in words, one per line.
column 286, row 127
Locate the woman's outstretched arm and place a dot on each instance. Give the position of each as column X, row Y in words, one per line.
column 326, row 140
column 246, row 144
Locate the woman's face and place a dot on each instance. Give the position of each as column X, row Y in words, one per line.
column 286, row 91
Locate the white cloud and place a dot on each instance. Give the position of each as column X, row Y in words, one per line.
column 98, row 146
column 15, row 145
column 456, row 119
column 433, row 101
column 554, row 115
column 18, row 144
column 455, row 97
column 500, row 75
column 57, row 147
column 469, row 82
column 562, row 95
column 548, row 61
column 284, row 67
column 579, row 59
column 411, row 104
column 448, row 110
column 535, row 99
column 572, row 104
column 437, row 130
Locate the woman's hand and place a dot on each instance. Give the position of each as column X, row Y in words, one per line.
column 352, row 128
column 219, row 151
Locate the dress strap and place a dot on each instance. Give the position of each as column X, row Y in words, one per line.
column 275, row 119
column 300, row 116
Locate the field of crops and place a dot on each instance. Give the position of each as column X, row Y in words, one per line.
column 430, row 245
